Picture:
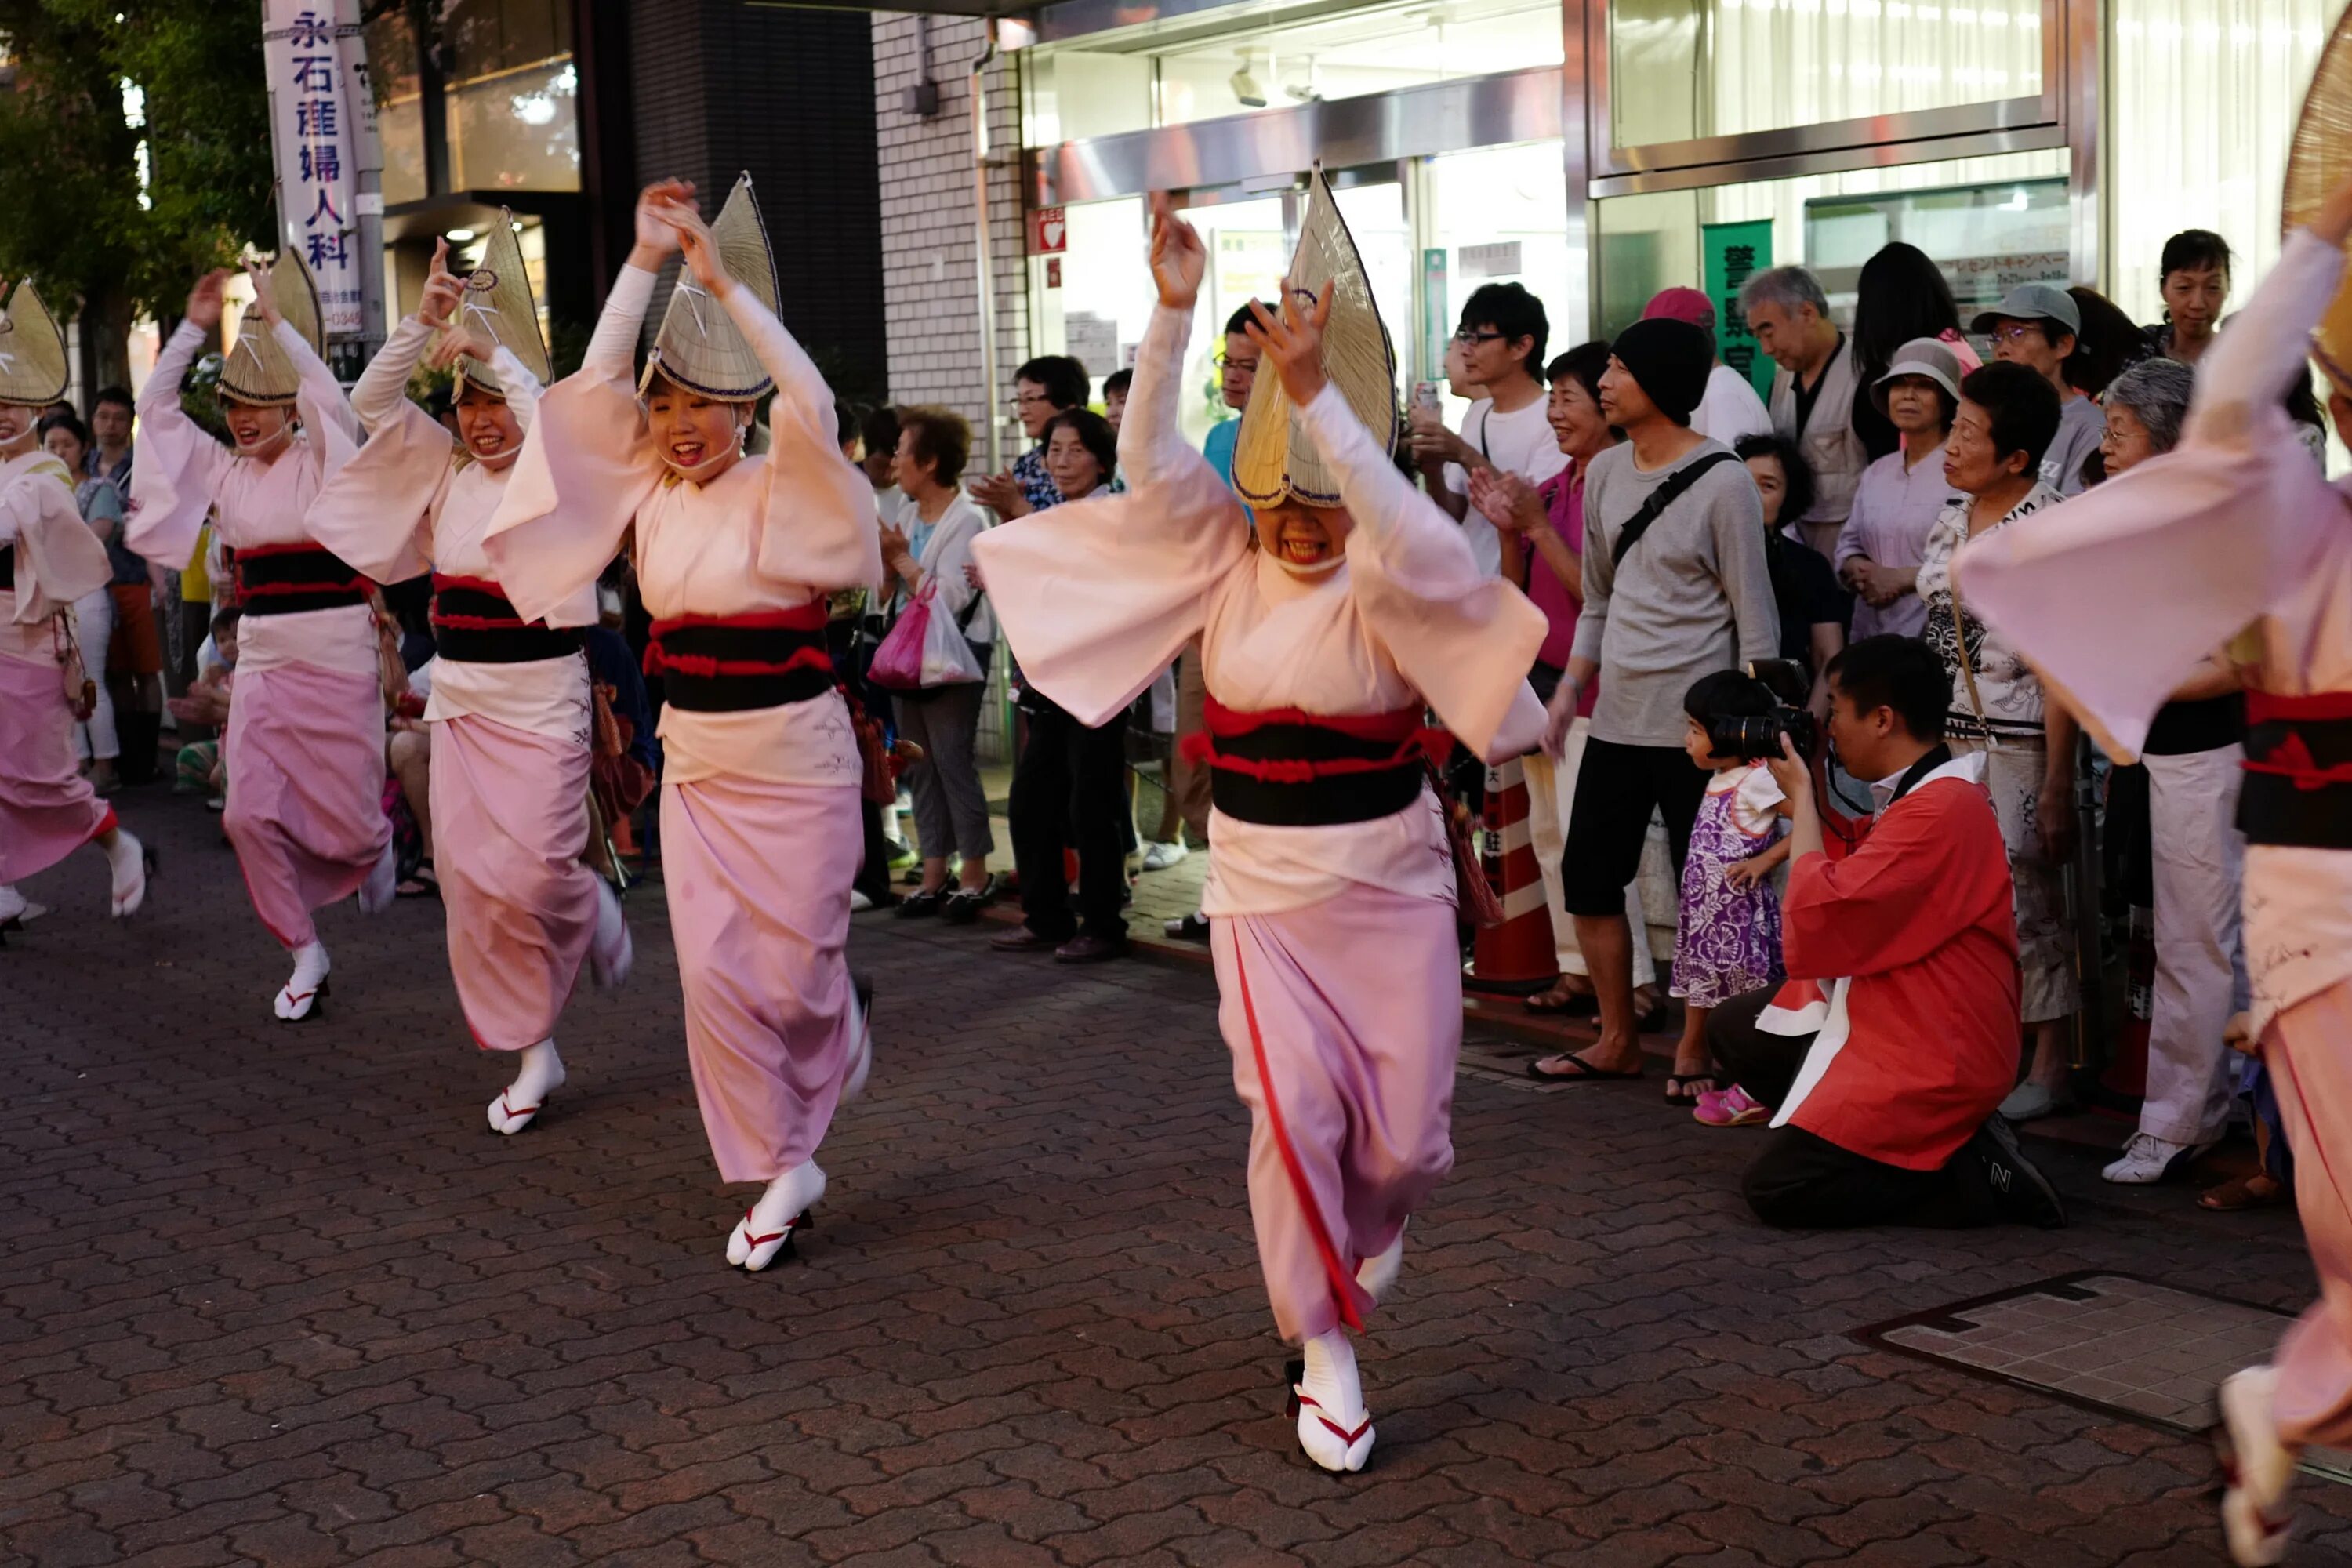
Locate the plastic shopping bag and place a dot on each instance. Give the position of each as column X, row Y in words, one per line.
column 924, row 648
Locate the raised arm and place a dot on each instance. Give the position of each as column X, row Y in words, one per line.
column 383, row 387
column 2245, row 375
column 176, row 468
column 1466, row 641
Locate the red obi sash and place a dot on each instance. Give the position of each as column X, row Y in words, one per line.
column 1285, row 767
column 2298, row 790
column 287, row 578
column 729, row 663
column 474, row 622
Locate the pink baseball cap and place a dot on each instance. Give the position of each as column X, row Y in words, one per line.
column 1680, row 305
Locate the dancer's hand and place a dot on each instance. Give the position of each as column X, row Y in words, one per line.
column 1294, row 339
column 443, row 289
column 265, row 300
column 1179, row 260
column 702, row 258
column 462, row 340
column 657, row 239
column 204, row 299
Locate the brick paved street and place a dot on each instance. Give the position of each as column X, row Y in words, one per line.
column 275, row 1295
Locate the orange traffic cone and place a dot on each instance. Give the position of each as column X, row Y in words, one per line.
column 1518, row 956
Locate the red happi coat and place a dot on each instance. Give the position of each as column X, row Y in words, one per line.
column 1903, row 955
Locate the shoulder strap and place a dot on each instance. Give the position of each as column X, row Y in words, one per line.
column 1668, row 492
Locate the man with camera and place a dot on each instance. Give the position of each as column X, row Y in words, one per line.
column 1895, row 1037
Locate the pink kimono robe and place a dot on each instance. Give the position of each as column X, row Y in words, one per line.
column 48, row 809
column 1334, row 945
column 761, row 833
column 511, row 741
column 305, row 743
column 2115, row 597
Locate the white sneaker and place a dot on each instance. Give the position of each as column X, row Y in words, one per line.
column 2257, row 1469
column 858, row 903
column 1159, row 857
column 2148, row 1160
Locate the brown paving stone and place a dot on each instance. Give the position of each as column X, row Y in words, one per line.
column 1027, row 1330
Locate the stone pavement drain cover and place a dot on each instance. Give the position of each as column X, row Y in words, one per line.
column 2111, row 1343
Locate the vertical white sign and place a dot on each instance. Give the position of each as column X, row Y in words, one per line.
column 313, row 122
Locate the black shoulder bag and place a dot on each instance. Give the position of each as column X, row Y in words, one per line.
column 1668, row 492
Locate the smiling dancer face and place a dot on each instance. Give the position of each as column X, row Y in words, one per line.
column 699, row 437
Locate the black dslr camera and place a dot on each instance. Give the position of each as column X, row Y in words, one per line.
column 1757, row 737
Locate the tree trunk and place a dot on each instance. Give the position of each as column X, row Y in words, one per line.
column 103, row 343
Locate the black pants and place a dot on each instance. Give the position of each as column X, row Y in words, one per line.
column 874, row 872
column 1803, row 1182
column 1617, row 788
column 1069, row 790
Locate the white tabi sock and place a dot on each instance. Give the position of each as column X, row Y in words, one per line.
column 1333, row 1426
column 382, row 878
column 861, row 1057
column 611, row 953
column 762, row 1231
column 126, row 862
column 539, row 1074
column 13, row 904
column 1378, row 1274
column 299, row 997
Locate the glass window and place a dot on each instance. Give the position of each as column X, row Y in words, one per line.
column 512, row 112
column 1496, row 216
column 2199, row 128
column 1989, row 223
column 1685, row 68
column 399, row 114
column 1168, row 74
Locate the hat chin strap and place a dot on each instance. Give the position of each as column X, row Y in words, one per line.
column 285, row 434
column 1316, row 570
column 694, row 473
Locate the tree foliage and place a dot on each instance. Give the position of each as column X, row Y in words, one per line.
column 69, row 148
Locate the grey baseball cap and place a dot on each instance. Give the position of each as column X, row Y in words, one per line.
column 1921, row 356
column 2033, row 302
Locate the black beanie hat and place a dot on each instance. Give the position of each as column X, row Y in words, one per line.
column 1671, row 359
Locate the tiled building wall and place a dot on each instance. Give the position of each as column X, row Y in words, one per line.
column 931, row 290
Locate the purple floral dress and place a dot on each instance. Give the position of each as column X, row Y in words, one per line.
column 1728, row 940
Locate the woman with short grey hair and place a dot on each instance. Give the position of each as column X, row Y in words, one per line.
column 2193, row 753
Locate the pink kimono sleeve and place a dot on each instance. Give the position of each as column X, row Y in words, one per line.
column 176, row 467
column 585, row 468
column 2116, row 596
column 1465, row 640
column 819, row 527
column 59, row 559
column 376, row 508
column 1096, row 596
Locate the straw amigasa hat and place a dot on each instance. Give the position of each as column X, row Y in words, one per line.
column 699, row 346
column 1273, row 461
column 32, row 351
column 499, row 301
column 258, row 369
column 2317, row 161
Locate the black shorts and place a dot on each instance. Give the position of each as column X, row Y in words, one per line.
column 1617, row 788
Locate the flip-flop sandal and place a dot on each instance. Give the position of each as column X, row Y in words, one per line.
column 2231, row 1197
column 1563, row 1004
column 1684, row 1088
column 1579, row 1071
column 421, row 883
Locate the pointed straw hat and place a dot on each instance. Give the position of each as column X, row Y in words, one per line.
column 32, row 351
column 699, row 346
column 1273, row 459
column 2317, row 161
column 499, row 301
column 258, row 369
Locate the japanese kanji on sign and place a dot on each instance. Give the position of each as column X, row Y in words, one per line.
column 313, row 119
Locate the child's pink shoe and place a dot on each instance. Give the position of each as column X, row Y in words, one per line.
column 1729, row 1107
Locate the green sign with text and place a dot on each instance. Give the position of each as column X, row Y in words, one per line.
column 1730, row 254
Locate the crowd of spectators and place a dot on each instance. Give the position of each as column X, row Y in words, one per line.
column 1679, row 525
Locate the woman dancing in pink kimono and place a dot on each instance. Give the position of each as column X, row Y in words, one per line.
column 48, row 558
column 509, row 714
column 305, row 743
column 735, row 555
column 2237, row 538
column 1353, row 605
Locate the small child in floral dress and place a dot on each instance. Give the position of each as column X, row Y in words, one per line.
column 1728, row 937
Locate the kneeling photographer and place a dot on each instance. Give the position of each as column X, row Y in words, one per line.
column 1895, row 1037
